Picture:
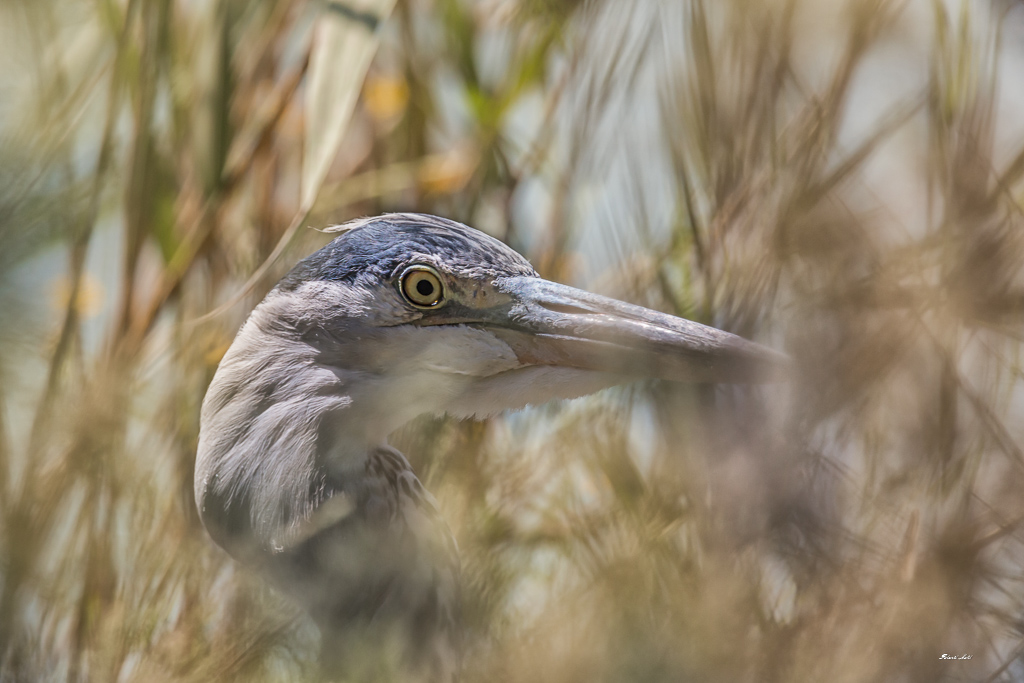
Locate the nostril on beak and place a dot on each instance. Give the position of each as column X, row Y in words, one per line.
column 565, row 308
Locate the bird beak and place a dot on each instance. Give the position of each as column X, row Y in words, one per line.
column 547, row 323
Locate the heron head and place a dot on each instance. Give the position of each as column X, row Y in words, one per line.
column 403, row 315
column 434, row 316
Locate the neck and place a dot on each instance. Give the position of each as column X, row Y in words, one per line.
column 277, row 426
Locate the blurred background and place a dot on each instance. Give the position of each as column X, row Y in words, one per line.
column 842, row 180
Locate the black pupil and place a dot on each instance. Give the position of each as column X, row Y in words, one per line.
column 425, row 287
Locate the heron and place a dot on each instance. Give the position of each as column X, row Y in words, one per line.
column 398, row 316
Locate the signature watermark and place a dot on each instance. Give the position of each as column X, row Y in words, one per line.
column 944, row 656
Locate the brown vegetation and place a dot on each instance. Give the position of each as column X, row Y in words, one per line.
column 839, row 180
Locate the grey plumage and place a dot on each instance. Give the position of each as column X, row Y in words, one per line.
column 293, row 474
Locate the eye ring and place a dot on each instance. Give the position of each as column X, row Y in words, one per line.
column 421, row 286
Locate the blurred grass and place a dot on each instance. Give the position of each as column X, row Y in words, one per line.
column 841, row 180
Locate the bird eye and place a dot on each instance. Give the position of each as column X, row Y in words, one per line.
column 421, row 286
